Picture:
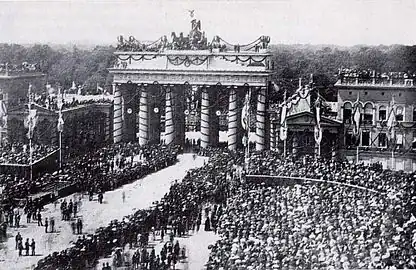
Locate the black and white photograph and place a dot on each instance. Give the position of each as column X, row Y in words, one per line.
column 207, row 134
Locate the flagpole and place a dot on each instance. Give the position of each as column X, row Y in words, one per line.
column 30, row 133
column 285, row 128
column 356, row 155
column 60, row 129
column 393, row 137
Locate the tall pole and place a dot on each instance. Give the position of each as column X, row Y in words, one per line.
column 60, row 103
column 393, row 133
column 30, row 132
column 285, row 128
column 248, row 127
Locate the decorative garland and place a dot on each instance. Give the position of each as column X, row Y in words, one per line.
column 139, row 58
column 187, row 60
column 241, row 59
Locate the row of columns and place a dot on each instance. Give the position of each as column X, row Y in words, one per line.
column 209, row 121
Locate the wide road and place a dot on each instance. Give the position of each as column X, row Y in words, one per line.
column 139, row 194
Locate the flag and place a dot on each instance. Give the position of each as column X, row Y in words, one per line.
column 245, row 112
column 318, row 130
column 3, row 114
column 283, row 126
column 60, row 125
column 391, row 120
column 30, row 123
column 100, row 89
column 356, row 117
column 73, row 87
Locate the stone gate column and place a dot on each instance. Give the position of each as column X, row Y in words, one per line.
column 169, row 125
column 204, row 118
column 143, row 118
column 232, row 120
column 118, row 119
column 260, row 119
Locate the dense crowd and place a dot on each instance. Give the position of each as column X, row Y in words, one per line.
column 179, row 210
column 19, row 153
column 51, row 103
column 24, row 67
column 271, row 225
column 367, row 73
column 321, row 225
column 97, row 172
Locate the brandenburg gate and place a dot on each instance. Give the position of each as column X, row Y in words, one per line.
column 152, row 81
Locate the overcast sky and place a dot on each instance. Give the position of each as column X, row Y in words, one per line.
column 342, row 22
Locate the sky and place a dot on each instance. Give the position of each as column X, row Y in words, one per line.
column 340, row 22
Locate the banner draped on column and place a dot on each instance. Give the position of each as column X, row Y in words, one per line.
column 169, row 125
column 118, row 119
column 260, row 119
column 143, row 118
column 232, row 120
column 205, row 118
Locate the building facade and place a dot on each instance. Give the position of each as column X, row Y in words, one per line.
column 151, row 80
column 379, row 97
column 14, row 82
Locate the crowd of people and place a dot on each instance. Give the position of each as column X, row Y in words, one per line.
column 19, row 153
column 51, row 103
column 96, row 173
column 318, row 225
column 369, row 223
column 102, row 170
column 24, row 67
column 179, row 211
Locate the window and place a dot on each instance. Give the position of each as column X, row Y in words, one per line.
column 414, row 114
column 382, row 113
column 399, row 113
column 349, row 139
column 382, row 140
column 399, row 141
column 414, row 141
column 347, row 112
column 365, row 138
column 368, row 113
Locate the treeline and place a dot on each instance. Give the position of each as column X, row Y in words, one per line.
column 63, row 65
column 299, row 61
column 89, row 66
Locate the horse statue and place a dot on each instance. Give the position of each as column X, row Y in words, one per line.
column 121, row 44
column 265, row 40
